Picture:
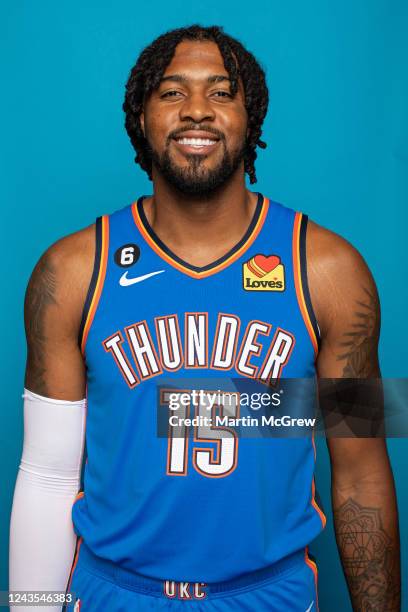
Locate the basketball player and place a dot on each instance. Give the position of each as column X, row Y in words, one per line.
column 201, row 278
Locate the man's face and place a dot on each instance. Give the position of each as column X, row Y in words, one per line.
column 196, row 131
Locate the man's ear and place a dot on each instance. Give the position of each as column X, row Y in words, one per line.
column 141, row 116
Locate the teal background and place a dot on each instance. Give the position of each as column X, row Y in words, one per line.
column 337, row 132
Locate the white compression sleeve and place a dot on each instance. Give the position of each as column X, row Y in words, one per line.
column 42, row 539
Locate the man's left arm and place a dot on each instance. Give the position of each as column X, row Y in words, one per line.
column 346, row 304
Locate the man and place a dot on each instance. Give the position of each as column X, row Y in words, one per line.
column 202, row 278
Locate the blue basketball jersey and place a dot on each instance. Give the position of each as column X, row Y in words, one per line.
column 196, row 507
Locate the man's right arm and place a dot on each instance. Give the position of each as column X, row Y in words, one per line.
column 53, row 309
column 42, row 539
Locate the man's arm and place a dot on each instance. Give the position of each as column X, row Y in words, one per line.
column 347, row 308
column 42, row 539
column 53, row 308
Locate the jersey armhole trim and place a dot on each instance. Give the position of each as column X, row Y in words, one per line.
column 97, row 280
column 311, row 563
column 301, row 283
column 315, row 498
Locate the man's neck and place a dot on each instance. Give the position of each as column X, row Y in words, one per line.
column 200, row 229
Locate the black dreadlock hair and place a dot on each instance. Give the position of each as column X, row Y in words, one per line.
column 146, row 75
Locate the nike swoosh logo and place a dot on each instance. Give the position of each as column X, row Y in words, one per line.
column 124, row 281
column 310, row 607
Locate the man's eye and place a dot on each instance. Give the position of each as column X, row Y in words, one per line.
column 168, row 94
column 223, row 94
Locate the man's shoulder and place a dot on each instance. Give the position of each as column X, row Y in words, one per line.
column 338, row 275
column 72, row 256
column 73, row 249
column 331, row 252
column 63, row 273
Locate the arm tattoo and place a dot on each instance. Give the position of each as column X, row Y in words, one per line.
column 39, row 296
column 360, row 343
column 370, row 559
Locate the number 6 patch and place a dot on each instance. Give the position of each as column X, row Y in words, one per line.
column 127, row 255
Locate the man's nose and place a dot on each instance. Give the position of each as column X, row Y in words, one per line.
column 197, row 108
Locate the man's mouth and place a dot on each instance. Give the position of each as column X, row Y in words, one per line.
column 196, row 143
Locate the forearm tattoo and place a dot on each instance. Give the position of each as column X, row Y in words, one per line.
column 370, row 558
column 39, row 296
column 359, row 347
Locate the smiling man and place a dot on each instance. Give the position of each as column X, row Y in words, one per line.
column 201, row 278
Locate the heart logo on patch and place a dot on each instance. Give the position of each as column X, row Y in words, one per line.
column 267, row 264
column 263, row 273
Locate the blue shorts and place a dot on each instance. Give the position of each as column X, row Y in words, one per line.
column 287, row 586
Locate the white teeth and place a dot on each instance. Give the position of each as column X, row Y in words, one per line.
column 196, row 142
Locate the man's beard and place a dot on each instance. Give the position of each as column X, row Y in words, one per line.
column 195, row 178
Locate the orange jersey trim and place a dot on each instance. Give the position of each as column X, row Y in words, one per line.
column 316, row 506
column 79, row 542
column 313, row 500
column 298, row 282
column 99, row 283
column 79, row 495
column 313, row 567
column 228, row 261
